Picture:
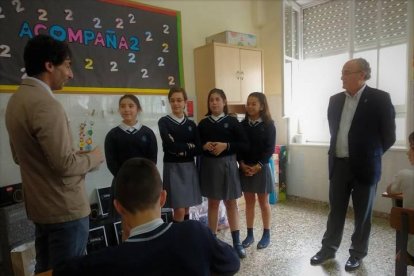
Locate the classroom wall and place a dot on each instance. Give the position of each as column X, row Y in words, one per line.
column 307, row 164
column 307, row 172
column 271, row 34
column 200, row 18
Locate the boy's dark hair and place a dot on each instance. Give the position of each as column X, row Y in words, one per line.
column 265, row 113
column 176, row 89
column 411, row 139
column 132, row 98
column 222, row 95
column 41, row 49
column 138, row 185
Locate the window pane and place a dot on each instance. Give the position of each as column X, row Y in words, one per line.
column 288, row 31
column 295, row 34
column 393, row 72
column 401, row 131
column 318, row 80
column 326, row 29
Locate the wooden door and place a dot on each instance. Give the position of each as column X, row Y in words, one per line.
column 227, row 72
column 251, row 72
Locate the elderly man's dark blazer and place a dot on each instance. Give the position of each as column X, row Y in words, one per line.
column 372, row 132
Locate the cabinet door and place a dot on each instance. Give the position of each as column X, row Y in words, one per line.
column 251, row 72
column 227, row 72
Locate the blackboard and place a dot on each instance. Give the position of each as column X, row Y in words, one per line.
column 117, row 46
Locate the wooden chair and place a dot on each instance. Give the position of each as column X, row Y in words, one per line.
column 46, row 273
column 402, row 220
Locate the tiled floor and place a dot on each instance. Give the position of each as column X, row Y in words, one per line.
column 297, row 229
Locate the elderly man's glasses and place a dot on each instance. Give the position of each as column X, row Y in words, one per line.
column 347, row 73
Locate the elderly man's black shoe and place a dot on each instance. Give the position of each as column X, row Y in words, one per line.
column 321, row 257
column 352, row 263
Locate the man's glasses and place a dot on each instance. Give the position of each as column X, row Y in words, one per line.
column 347, row 73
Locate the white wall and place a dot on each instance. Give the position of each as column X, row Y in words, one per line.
column 103, row 111
column 307, row 173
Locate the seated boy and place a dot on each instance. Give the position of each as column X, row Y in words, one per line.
column 404, row 183
column 153, row 247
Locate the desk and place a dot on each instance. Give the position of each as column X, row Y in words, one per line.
column 397, row 201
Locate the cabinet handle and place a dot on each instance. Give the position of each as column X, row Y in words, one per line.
column 238, row 75
column 241, row 75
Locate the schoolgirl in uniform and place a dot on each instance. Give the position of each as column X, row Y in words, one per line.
column 255, row 174
column 222, row 137
column 129, row 139
column 181, row 143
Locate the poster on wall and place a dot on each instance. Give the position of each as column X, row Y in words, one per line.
column 117, row 46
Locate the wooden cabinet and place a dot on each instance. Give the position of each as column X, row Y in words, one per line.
column 236, row 70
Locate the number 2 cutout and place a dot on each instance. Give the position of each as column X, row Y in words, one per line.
column 42, row 14
column 131, row 58
column 89, row 64
column 131, row 18
column 171, row 80
column 69, row 15
column 114, row 66
column 148, row 36
column 18, row 5
column 1, row 15
column 5, row 51
column 23, row 70
column 165, row 48
column 144, row 73
column 160, row 61
column 97, row 23
column 120, row 23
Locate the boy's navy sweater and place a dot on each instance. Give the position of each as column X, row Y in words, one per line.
column 185, row 248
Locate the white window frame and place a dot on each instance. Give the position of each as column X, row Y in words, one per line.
column 401, row 110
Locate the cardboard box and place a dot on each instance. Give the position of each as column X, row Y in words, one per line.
column 23, row 259
column 234, row 38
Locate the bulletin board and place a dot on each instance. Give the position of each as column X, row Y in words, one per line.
column 117, row 46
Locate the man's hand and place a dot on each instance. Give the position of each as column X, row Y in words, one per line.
column 98, row 154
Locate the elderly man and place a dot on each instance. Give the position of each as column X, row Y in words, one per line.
column 362, row 126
